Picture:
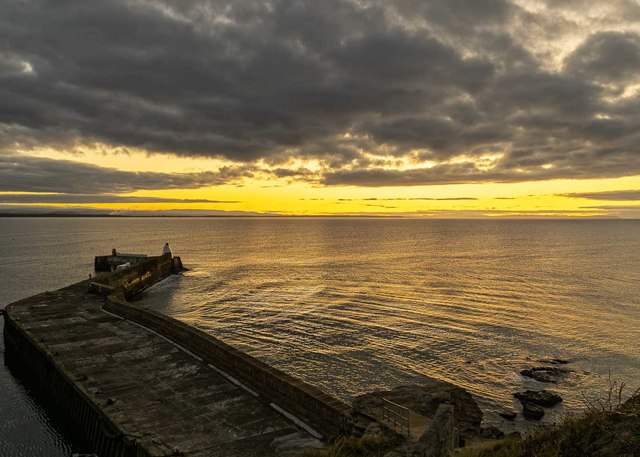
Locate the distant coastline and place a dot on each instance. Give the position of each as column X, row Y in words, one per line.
column 309, row 216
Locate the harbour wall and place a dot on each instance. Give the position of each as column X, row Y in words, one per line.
column 138, row 277
column 54, row 383
column 315, row 409
column 110, row 262
column 324, row 413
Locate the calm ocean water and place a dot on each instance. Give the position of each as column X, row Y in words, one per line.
column 353, row 305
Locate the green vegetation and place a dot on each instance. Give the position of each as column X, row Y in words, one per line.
column 605, row 430
column 609, row 428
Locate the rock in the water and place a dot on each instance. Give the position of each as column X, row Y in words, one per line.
column 545, row 374
column 424, row 399
column 509, row 415
column 531, row 411
column 540, row 398
column 492, row 433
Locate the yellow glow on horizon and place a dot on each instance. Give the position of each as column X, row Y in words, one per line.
column 265, row 193
column 543, row 197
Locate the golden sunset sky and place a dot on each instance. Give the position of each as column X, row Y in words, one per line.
column 435, row 108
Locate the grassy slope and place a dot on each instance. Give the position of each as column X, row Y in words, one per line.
column 597, row 433
column 606, row 432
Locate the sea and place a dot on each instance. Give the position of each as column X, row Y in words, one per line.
column 353, row 305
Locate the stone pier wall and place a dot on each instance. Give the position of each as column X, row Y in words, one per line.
column 138, row 277
column 326, row 414
column 55, row 384
column 86, row 410
column 110, row 262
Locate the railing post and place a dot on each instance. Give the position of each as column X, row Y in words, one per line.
column 397, row 415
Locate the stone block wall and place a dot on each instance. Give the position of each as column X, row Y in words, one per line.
column 138, row 277
column 326, row 414
column 53, row 383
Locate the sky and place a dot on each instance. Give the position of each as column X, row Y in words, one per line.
column 413, row 108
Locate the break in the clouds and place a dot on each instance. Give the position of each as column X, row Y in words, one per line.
column 393, row 92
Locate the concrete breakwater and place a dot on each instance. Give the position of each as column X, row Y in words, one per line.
column 324, row 413
column 142, row 274
column 138, row 383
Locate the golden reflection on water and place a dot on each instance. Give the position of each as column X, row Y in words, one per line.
column 354, row 305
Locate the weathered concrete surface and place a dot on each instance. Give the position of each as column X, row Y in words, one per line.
column 325, row 414
column 158, row 397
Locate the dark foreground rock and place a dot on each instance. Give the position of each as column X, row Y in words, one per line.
column 532, row 412
column 509, row 415
column 424, row 399
column 545, row 374
column 493, row 433
column 540, row 398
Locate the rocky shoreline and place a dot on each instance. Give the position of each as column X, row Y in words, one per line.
column 534, row 402
column 425, row 399
column 423, row 428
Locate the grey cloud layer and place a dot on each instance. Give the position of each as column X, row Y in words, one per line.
column 250, row 79
column 623, row 195
column 29, row 174
column 99, row 198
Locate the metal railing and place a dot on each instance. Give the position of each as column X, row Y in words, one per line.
column 396, row 415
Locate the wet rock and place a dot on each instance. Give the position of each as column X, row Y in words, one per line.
column 492, row 433
column 532, row 412
column 545, row 374
column 509, row 415
column 424, row 399
column 540, row 398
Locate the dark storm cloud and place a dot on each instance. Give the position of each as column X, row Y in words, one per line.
column 607, row 56
column 101, row 198
column 29, row 174
column 331, row 80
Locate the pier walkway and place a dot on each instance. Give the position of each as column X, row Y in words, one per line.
column 147, row 391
